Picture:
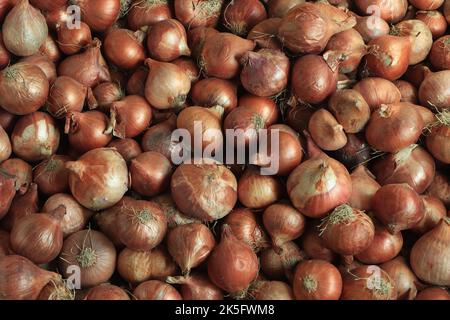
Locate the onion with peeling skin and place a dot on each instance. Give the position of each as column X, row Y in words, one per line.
column 406, row 282
column 280, row 264
column 377, row 91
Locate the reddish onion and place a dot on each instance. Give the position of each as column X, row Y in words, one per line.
column 197, row 38
column 71, row 41
column 377, row 91
column 140, row 266
column 147, row 13
column 364, row 188
column 124, row 48
column 50, row 49
column 271, row 290
column 215, row 92
column 241, row 15
column 279, row 8
column 44, row 63
column 35, row 137
column 7, row 192
column 280, row 265
column 265, row 34
column 398, row 207
column 51, row 175
column 189, row 67
column 232, row 265
column 440, row 188
column 405, row 281
column 66, row 95
column 434, row 212
column 105, row 94
column 433, row 293
column 136, row 82
column 106, row 291
column 437, row 140
column 426, row 4
column 190, row 245
column 174, row 216
column 265, row 107
column 434, row 92
column 7, row 120
column 392, row 10
column 198, row 13
column 313, row 245
column 22, row 205
column 439, row 55
column 355, row 152
column 408, row 92
column 420, row 37
column 158, row 138
column 5, row 145
column 22, row 172
column 430, row 255
column 325, row 130
column 156, row 290
column 265, row 73
column 130, row 116
column 434, row 20
column 93, row 253
column 98, row 179
column 100, row 14
column 167, row 40
column 5, row 247
column 197, row 287
column 371, row 27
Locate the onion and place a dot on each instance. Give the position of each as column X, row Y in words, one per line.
column 257, row 191
column 431, row 253
column 22, row 172
column 388, row 56
column 140, row 266
column 173, row 216
column 50, row 49
column 394, row 127
column 271, row 290
column 20, row 279
column 426, row 4
column 5, row 247
column 408, row 92
column 434, row 212
column 265, row 107
column 198, row 13
column 241, row 15
column 130, row 116
column 167, row 85
column 317, row 280
column 124, row 48
column 439, row 55
column 368, row 283
column 232, row 265
column 66, row 95
column 245, row 226
column 23, row 88
column 221, row 54
column 319, row 184
column 147, row 13
column 283, row 223
column 88, row 130
column 437, row 140
column 51, row 175
column 433, row 293
column 215, row 92
column 204, row 191
column 377, row 91
column 313, row 245
column 71, row 41
column 350, row 109
column 106, row 292
column 392, row 10
column 88, row 68
column 190, row 245
column 136, row 82
column 44, row 63
column 197, row 287
column 264, row 34
column 280, row 264
column 5, row 7
column 447, row 11
column 38, row 236
column 24, row 29
column 141, row 225
column 105, row 94
column 419, row 35
column 326, row 132
column 93, row 253
column 405, row 280
column 22, row 205
column 189, row 67
column 197, row 38
column 371, row 27
column 313, row 79
column 156, row 290
column 355, row 152
column 167, row 40
column 416, row 74
column 265, row 73
column 7, row 120
column 398, row 207
column 434, row 20
column 434, row 92
column 440, row 188
column 99, row 15
column 298, row 116
column 364, row 188
column 347, row 231
column 35, row 137
column 48, row 5
column 279, row 8
column 99, row 179
column 158, row 138
column 7, row 192
column 5, row 145
column 384, row 247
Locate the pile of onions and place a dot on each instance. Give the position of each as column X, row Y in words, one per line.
column 99, row 15
column 371, row 27
column 44, row 63
column 391, row 11
column 167, row 40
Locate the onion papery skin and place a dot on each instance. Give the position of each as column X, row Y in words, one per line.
column 280, row 264
column 264, row 34
column 240, row 16
column 99, row 15
column 215, row 92
column 405, row 280
column 197, row 287
column 156, row 290
column 124, row 49
column 420, row 37
column 130, row 116
column 71, row 41
column 51, row 175
column 271, row 290
column 392, row 11
column 147, row 13
column 434, row 212
column 433, row 293
column 439, row 55
column 377, row 91
column 7, row 192
column 434, row 92
column 198, row 13
column 364, row 187
column 22, row 205
column 66, row 95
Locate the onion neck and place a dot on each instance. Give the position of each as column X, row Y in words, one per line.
column 343, row 214
column 309, row 284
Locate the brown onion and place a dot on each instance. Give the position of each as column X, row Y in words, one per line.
column 24, row 29
column 440, row 188
column 392, row 10
column 156, row 290
column 71, row 41
column 106, row 94
column 280, row 264
column 434, row 20
column 7, row 120
column 347, row 231
column 265, row 34
column 23, row 88
column 174, row 216
column 434, row 92
column 51, row 175
column 317, row 280
column 190, row 245
column 368, row 283
column 439, row 55
column 364, row 188
column 66, row 95
column 419, row 35
column 35, row 137
column 393, row 127
column 279, row 8
column 124, row 48
column 430, row 255
column 388, row 56
column 189, row 67
column 408, row 92
column 416, row 74
column 5, row 247
column 44, row 63
column 313, row 245
column 158, row 138
column 20, row 279
column 265, row 73
column 447, row 11
column 147, row 13
column 93, row 253
column 5, row 145
column 371, row 27
column 232, row 265
column 88, row 68
column 426, row 4
column 99, row 14
column 216, row 197
column 265, row 107
column 434, row 212
column 433, row 293
column 22, row 205
column 22, row 172
column 377, row 91
column 107, row 291
column 38, row 236
column 221, row 54
column 215, row 92
column 130, row 116
column 313, row 79
column 141, row 224
column 140, row 266
column 98, row 179
column 398, row 207
column 7, row 192
column 326, row 132
column 355, row 152
column 405, row 281
column 197, row 287
column 197, row 38
column 167, row 40
column 198, row 13
column 241, row 15
column 167, row 85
